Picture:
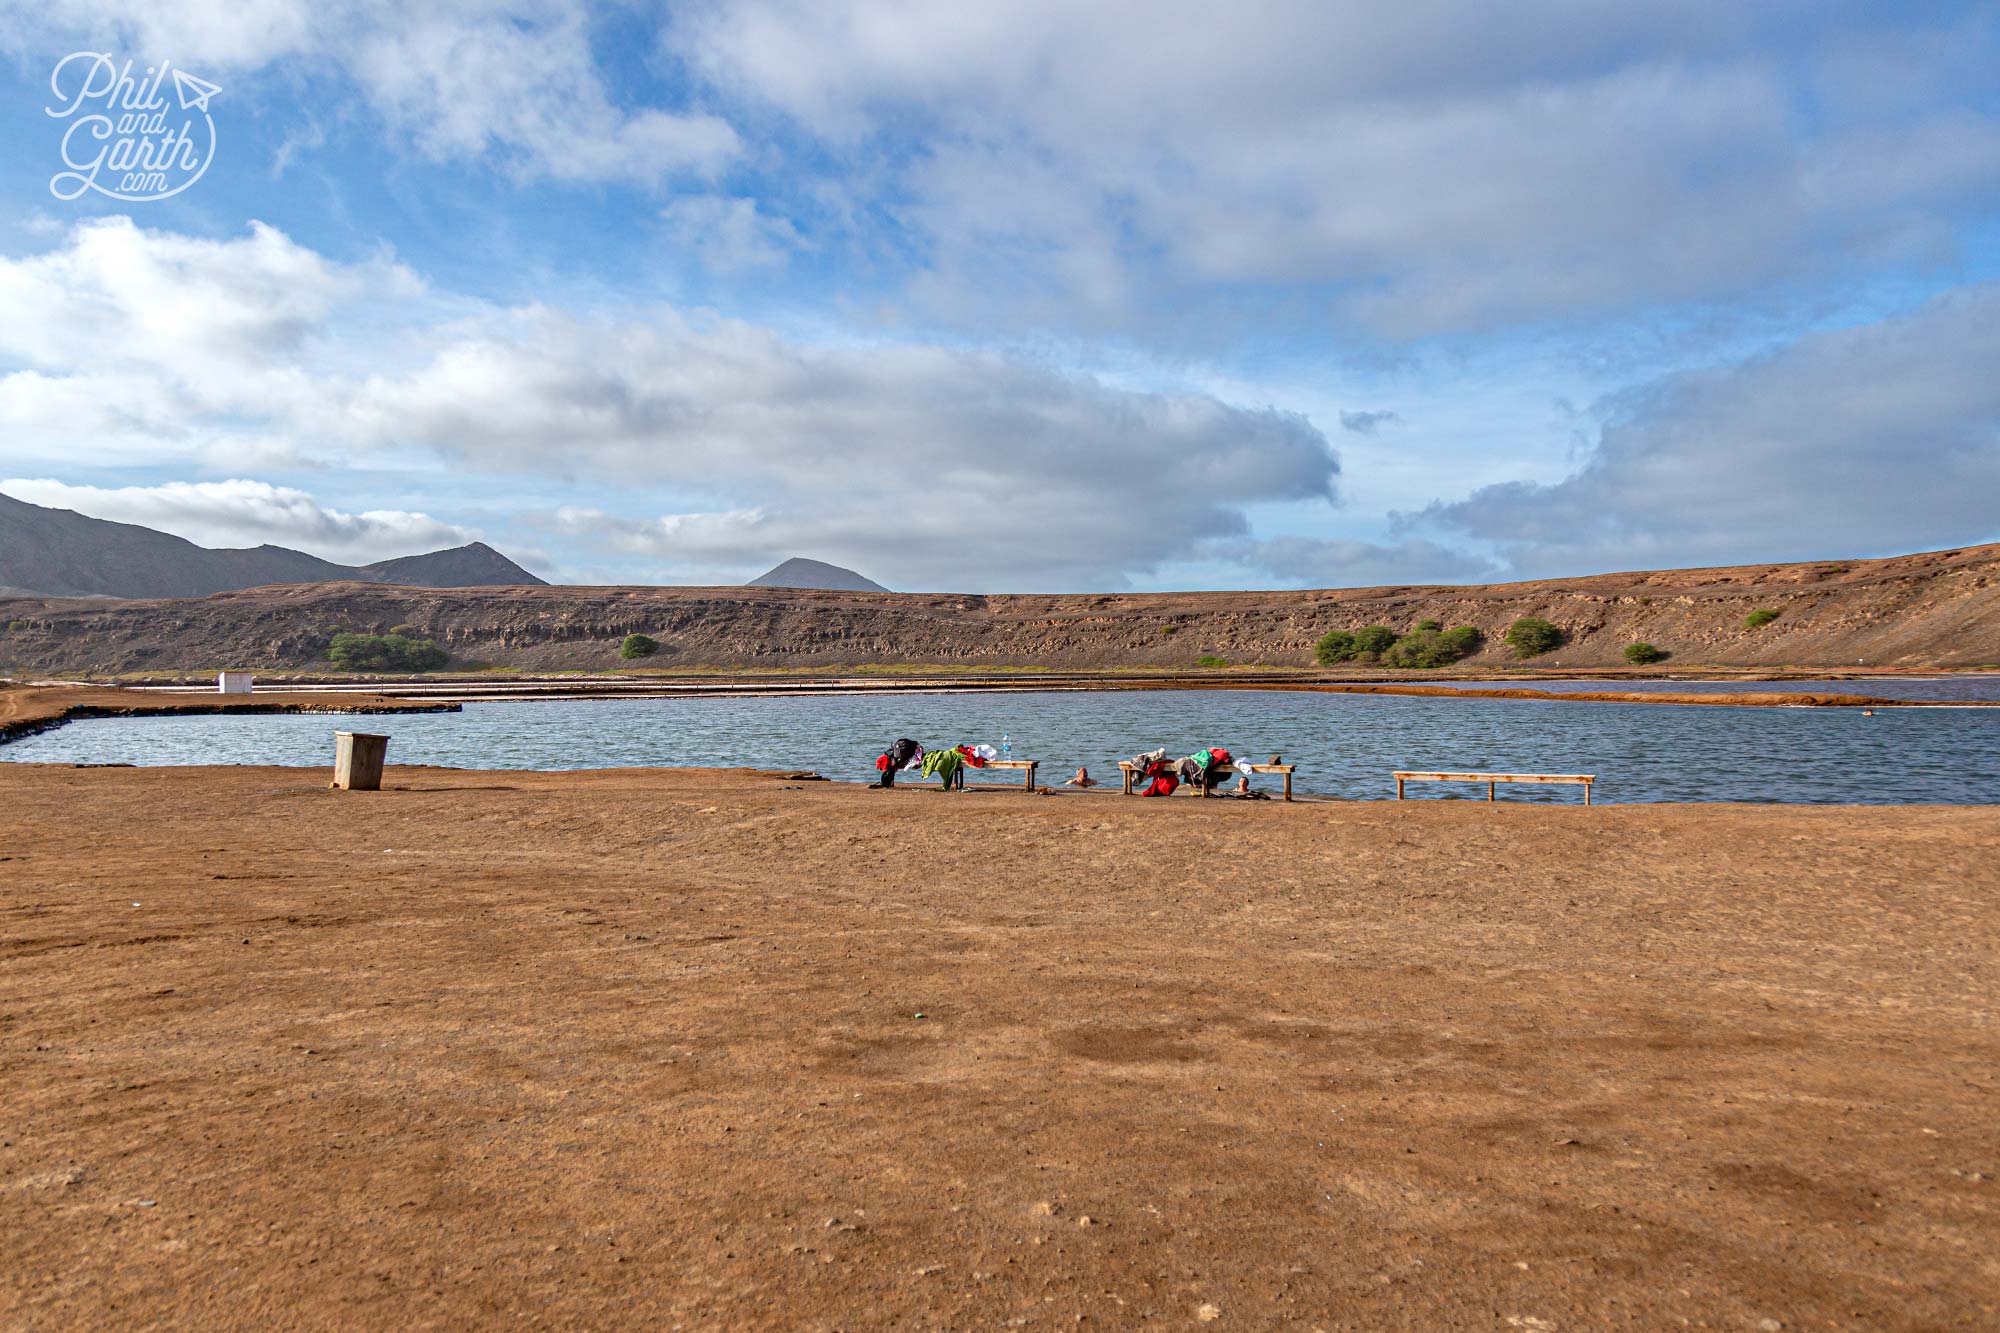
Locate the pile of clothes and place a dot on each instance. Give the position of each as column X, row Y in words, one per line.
column 947, row 766
column 1203, row 768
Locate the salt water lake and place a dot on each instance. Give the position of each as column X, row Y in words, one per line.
column 1345, row 745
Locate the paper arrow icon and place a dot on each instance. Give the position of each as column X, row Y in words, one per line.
column 193, row 92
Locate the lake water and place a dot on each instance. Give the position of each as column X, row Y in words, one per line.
column 1930, row 689
column 1345, row 745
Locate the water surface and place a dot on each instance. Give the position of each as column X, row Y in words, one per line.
column 1345, row 745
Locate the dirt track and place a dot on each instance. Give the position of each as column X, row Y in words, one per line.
column 638, row 1049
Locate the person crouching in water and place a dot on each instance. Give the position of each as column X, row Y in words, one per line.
column 897, row 757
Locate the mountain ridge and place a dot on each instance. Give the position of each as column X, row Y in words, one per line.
column 1931, row 609
column 61, row 553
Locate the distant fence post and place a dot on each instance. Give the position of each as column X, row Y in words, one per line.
column 357, row 760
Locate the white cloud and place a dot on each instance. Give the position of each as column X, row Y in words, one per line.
column 512, row 81
column 1313, row 562
column 935, row 466
column 249, row 513
column 1434, row 166
column 1873, row 440
column 730, row 235
column 938, row 468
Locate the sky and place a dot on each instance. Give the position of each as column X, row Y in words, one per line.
column 1052, row 295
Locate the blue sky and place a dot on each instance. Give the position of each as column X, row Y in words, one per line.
column 1032, row 296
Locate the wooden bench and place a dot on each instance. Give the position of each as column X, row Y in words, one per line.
column 1028, row 765
column 1131, row 774
column 1492, row 779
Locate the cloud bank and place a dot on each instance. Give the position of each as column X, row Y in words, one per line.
column 939, row 467
column 1872, row 440
column 249, row 513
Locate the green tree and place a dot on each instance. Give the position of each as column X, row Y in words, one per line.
column 1336, row 645
column 1427, row 648
column 1640, row 654
column 1531, row 636
column 1371, row 641
column 1464, row 640
column 638, row 645
column 351, row 651
column 1759, row 619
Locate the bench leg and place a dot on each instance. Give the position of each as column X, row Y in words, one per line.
column 1586, row 793
column 1031, row 776
column 1489, row 791
column 1399, row 789
column 1288, row 786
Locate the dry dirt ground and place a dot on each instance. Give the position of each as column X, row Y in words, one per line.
column 651, row 1049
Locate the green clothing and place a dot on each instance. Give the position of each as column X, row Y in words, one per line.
column 942, row 763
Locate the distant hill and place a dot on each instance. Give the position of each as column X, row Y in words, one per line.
column 60, row 553
column 1940, row 608
column 476, row 565
column 800, row 573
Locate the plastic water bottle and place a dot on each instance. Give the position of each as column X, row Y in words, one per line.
column 1006, row 746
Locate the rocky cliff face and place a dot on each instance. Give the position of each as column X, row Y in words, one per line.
column 1936, row 609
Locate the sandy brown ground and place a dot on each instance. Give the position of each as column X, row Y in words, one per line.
column 646, row 1049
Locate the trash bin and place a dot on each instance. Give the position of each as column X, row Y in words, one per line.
column 357, row 760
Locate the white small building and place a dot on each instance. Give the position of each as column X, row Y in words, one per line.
column 233, row 682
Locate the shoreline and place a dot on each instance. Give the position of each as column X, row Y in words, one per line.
column 406, row 693
column 32, row 710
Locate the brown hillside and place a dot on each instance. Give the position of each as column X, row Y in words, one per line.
column 1935, row 609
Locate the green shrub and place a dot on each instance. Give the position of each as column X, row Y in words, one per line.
column 1639, row 654
column 1464, row 639
column 384, row 652
column 1531, row 636
column 1759, row 619
column 1336, row 645
column 1371, row 641
column 406, row 632
column 1426, row 648
column 1430, row 624
column 1170, row 629
column 638, row 645
column 1210, row 660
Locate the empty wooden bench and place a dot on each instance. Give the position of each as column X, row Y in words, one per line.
column 1493, row 779
column 1028, row 765
column 1131, row 774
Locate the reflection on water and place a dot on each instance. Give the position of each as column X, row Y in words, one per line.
column 1345, row 745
